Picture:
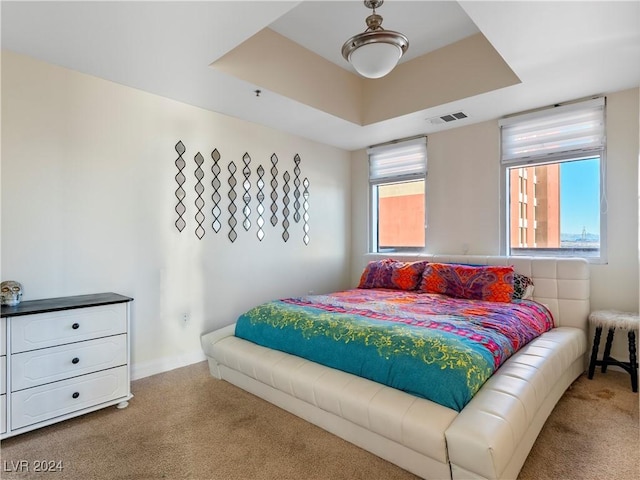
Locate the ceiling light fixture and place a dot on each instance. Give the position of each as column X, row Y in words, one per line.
column 376, row 51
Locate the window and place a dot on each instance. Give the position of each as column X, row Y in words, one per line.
column 553, row 167
column 397, row 174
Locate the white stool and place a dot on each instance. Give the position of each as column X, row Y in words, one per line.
column 612, row 319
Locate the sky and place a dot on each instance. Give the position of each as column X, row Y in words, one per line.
column 580, row 196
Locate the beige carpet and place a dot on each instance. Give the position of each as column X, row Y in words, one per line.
column 184, row 424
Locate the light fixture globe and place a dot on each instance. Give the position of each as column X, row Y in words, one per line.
column 376, row 51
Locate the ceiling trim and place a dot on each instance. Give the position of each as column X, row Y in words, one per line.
column 463, row 69
column 271, row 61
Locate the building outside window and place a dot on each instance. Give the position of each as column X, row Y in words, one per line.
column 538, row 201
column 397, row 174
column 553, row 163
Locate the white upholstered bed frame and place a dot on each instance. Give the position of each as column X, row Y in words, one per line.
column 490, row 438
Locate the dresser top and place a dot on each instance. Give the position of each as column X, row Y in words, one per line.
column 45, row 305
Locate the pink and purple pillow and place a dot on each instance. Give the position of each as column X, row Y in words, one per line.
column 490, row 283
column 389, row 273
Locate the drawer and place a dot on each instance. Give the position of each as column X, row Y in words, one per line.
column 3, row 413
column 50, row 329
column 3, row 336
column 37, row 367
column 3, row 375
column 42, row 403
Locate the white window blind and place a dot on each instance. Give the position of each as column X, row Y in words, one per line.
column 575, row 130
column 398, row 161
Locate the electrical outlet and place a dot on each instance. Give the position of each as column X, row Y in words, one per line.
column 185, row 318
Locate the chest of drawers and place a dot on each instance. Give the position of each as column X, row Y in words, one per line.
column 61, row 358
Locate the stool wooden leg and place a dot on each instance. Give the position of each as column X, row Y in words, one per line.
column 594, row 352
column 607, row 350
column 633, row 361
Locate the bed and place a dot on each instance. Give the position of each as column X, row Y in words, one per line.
column 485, row 432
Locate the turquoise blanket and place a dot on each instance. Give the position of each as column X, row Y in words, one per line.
column 439, row 348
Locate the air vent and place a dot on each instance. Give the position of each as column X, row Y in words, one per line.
column 450, row 117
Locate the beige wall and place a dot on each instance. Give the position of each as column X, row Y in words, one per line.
column 464, row 201
column 615, row 285
column 88, row 206
column 462, row 193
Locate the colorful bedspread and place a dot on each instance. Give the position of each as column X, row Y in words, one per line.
column 433, row 346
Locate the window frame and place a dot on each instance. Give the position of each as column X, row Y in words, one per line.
column 555, row 158
column 374, row 183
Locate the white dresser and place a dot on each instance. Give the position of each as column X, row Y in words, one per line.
column 63, row 357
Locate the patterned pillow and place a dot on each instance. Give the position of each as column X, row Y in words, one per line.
column 389, row 273
column 522, row 287
column 491, row 283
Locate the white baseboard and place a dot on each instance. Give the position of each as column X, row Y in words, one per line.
column 146, row 369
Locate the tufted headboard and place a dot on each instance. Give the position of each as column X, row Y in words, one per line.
column 562, row 284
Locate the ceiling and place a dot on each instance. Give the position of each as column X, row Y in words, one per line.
column 559, row 51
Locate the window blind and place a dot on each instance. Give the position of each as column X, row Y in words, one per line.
column 402, row 160
column 568, row 131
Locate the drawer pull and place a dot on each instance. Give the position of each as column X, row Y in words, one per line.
column 75, row 395
column 75, row 360
column 75, row 326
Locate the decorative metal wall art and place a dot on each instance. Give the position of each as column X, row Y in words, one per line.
column 305, row 209
column 285, row 209
column 300, row 191
column 274, row 192
column 215, row 196
column 260, row 198
column 199, row 188
column 246, row 197
column 180, row 193
column 232, row 205
column 296, row 190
